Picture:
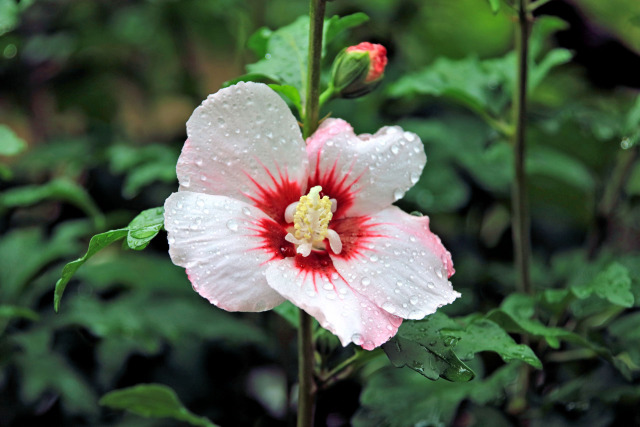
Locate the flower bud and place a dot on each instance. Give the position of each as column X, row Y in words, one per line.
column 358, row 70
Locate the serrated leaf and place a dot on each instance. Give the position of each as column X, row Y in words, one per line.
column 485, row 335
column 61, row 189
column 516, row 314
column 291, row 93
column 152, row 400
column 96, row 244
column 144, row 227
column 420, row 346
column 10, row 143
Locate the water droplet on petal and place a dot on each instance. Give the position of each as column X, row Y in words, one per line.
column 357, row 339
column 232, row 225
column 394, row 149
column 365, row 281
column 439, row 273
column 415, row 177
column 413, row 299
column 430, row 285
column 397, row 194
column 246, row 211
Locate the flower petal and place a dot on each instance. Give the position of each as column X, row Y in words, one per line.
column 365, row 173
column 312, row 284
column 224, row 245
column 396, row 261
column 243, row 142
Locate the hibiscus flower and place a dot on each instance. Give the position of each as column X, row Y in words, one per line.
column 261, row 217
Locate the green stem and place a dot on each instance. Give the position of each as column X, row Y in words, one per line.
column 520, row 219
column 306, row 385
column 312, row 105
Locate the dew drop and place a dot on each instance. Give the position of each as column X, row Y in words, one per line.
column 374, row 258
column 415, row 177
column 397, row 194
column 395, row 149
column 357, row 339
column 365, row 281
column 409, row 136
column 232, row 225
column 221, row 122
column 413, row 299
column 431, row 285
column 439, row 273
column 246, row 211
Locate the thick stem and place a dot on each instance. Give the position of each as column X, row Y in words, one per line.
column 306, row 386
column 520, row 218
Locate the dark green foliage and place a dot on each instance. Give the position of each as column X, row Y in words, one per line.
column 94, row 100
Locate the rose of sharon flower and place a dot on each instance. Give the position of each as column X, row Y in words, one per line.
column 261, row 217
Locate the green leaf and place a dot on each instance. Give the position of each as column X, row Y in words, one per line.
column 612, row 284
column 495, row 5
column 283, row 52
column 11, row 312
column 258, row 41
column 420, row 346
column 10, row 143
column 152, row 400
column 97, row 243
column 516, row 314
column 554, row 164
column 336, row 25
column 251, row 77
column 396, row 398
column 540, row 70
column 143, row 165
column 144, row 227
column 62, row 189
column 291, row 93
column 482, row 86
column 485, row 335
column 43, row 370
column 289, row 312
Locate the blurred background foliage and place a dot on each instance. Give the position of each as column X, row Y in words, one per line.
column 94, row 96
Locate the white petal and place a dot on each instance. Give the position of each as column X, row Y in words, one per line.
column 313, row 285
column 366, row 173
column 243, row 142
column 398, row 263
column 215, row 239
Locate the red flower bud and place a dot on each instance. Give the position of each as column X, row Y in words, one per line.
column 357, row 70
column 377, row 55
